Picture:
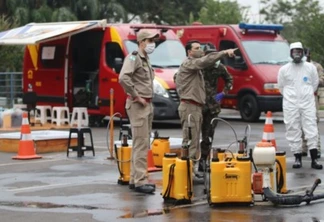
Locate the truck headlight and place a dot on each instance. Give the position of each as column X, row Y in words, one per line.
column 271, row 88
column 159, row 89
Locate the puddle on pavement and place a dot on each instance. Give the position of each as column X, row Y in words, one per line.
column 144, row 213
column 44, row 205
column 177, row 213
column 139, row 214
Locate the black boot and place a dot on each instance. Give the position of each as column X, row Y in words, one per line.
column 201, row 165
column 315, row 164
column 298, row 161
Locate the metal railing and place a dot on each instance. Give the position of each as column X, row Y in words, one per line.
column 10, row 88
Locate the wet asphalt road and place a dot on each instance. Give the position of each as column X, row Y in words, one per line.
column 57, row 188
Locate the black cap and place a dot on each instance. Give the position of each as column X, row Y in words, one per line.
column 209, row 47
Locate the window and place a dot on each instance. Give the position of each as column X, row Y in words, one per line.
column 114, row 56
column 52, row 56
column 167, row 53
column 267, row 52
column 231, row 61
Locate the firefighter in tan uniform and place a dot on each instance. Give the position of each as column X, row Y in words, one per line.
column 191, row 89
column 136, row 77
column 320, row 73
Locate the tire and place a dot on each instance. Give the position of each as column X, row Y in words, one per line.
column 249, row 108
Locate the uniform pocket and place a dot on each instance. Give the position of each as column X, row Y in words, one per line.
column 194, row 108
column 182, row 107
column 128, row 103
column 138, row 122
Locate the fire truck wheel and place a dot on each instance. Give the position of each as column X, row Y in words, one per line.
column 249, row 108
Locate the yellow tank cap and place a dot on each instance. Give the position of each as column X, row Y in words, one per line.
column 170, row 155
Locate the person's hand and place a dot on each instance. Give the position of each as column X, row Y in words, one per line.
column 231, row 52
column 140, row 100
column 219, row 97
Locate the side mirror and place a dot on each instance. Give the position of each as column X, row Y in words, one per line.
column 118, row 64
column 239, row 63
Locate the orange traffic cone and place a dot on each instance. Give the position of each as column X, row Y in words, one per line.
column 26, row 144
column 268, row 130
column 150, row 162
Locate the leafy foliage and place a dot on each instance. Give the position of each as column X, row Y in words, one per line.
column 303, row 21
column 163, row 12
column 220, row 12
column 11, row 56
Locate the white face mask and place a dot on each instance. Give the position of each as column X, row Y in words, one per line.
column 149, row 48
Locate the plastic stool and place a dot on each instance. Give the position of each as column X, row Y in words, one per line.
column 80, row 147
column 43, row 114
column 79, row 117
column 60, row 114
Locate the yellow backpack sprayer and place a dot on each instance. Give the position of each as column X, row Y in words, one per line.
column 123, row 152
column 229, row 177
column 159, row 147
column 177, row 176
column 177, row 182
column 123, row 157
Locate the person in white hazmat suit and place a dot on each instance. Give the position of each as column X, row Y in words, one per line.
column 297, row 82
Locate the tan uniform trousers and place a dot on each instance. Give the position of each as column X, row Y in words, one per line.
column 195, row 122
column 304, row 144
column 140, row 118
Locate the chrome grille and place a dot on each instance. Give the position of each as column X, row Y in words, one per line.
column 174, row 95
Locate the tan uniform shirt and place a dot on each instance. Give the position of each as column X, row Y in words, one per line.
column 190, row 81
column 136, row 76
column 320, row 73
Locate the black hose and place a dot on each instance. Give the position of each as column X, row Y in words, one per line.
column 280, row 181
column 282, row 200
column 166, row 195
column 189, row 179
column 293, row 199
column 252, row 160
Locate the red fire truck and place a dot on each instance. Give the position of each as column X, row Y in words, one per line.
column 261, row 52
column 77, row 64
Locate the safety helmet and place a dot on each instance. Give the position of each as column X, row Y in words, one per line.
column 296, row 56
column 208, row 48
column 296, row 45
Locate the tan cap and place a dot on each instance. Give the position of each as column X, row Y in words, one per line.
column 145, row 34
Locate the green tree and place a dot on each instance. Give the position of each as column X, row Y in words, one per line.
column 112, row 11
column 220, row 12
column 303, row 21
column 63, row 14
column 171, row 12
column 26, row 11
column 11, row 56
column 86, row 9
